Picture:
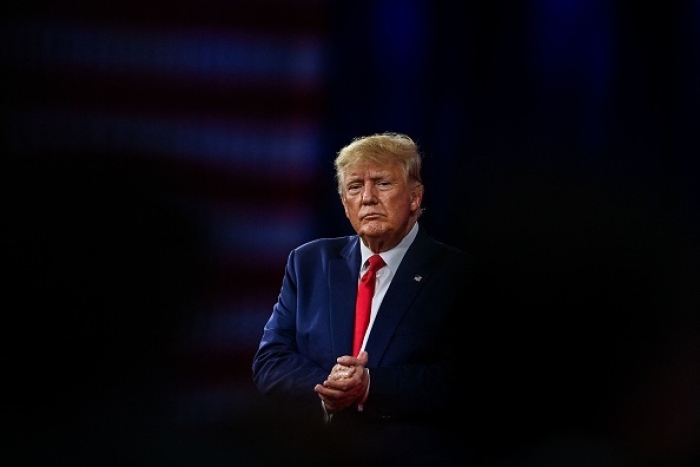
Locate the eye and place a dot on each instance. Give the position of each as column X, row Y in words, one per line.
column 384, row 185
column 354, row 187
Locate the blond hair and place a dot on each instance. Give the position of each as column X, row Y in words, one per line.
column 380, row 148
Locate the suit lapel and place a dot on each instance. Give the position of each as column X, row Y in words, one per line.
column 409, row 279
column 342, row 277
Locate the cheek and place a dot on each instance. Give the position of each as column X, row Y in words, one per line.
column 402, row 203
column 348, row 208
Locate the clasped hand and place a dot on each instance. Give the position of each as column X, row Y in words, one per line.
column 346, row 384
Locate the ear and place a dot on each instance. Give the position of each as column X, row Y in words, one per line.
column 416, row 199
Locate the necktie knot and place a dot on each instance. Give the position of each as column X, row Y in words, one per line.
column 375, row 263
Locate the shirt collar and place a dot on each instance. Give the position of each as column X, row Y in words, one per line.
column 391, row 257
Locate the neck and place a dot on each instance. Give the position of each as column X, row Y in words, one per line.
column 382, row 243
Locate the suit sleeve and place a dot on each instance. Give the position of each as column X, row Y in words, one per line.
column 279, row 370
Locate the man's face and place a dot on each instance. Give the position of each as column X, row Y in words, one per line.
column 379, row 203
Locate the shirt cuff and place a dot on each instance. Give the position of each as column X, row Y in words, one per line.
column 327, row 417
column 361, row 404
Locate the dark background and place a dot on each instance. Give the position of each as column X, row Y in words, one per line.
column 161, row 159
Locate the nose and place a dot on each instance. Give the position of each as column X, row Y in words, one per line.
column 368, row 193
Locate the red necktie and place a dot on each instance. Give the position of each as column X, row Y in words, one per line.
column 363, row 306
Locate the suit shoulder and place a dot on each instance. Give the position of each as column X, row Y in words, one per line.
column 451, row 252
column 439, row 244
column 328, row 244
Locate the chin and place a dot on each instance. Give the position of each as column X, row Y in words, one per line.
column 373, row 233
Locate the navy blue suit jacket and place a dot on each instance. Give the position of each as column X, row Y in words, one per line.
column 413, row 344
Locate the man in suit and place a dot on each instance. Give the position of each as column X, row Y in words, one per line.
column 391, row 401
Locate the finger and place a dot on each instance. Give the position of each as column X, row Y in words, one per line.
column 347, row 360
column 362, row 357
column 338, row 385
column 328, row 392
column 345, row 372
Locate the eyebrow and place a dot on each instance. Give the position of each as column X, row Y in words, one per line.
column 373, row 177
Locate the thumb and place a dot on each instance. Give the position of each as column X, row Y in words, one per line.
column 363, row 357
